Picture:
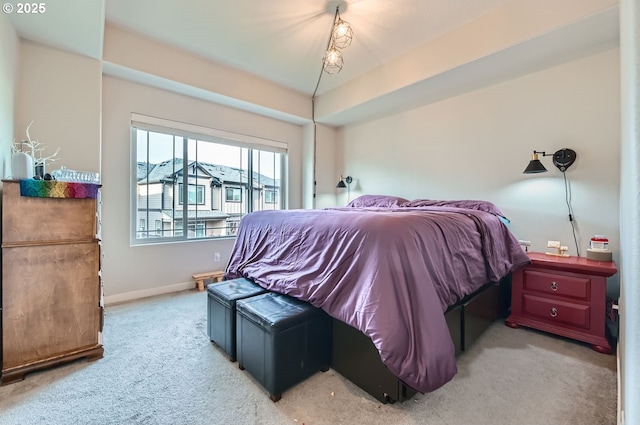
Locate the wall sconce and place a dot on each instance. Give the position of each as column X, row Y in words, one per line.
column 341, row 184
column 563, row 159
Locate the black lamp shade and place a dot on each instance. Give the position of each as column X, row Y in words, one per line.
column 535, row 166
column 341, row 184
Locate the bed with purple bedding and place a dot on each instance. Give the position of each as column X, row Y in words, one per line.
column 388, row 269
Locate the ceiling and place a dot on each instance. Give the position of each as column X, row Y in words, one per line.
column 284, row 40
column 280, row 40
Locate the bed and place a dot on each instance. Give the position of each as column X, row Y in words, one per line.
column 397, row 271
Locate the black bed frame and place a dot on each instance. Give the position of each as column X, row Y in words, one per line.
column 357, row 359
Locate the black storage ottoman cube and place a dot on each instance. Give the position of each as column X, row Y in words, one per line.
column 282, row 340
column 221, row 309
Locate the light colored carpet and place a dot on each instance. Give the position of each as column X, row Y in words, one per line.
column 160, row 368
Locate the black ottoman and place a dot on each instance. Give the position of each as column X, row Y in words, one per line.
column 282, row 340
column 221, row 318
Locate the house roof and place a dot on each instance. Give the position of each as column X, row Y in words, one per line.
column 221, row 174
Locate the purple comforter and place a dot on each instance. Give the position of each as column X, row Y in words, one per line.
column 389, row 272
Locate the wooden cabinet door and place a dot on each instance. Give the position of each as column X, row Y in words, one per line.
column 50, row 297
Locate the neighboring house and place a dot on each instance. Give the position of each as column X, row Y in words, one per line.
column 218, row 196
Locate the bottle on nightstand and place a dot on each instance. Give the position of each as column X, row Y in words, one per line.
column 599, row 249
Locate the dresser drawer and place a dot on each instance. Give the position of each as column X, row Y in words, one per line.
column 578, row 287
column 557, row 311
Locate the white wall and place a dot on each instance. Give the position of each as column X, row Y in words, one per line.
column 131, row 272
column 129, row 55
column 327, row 169
column 308, row 166
column 60, row 93
column 476, row 146
column 629, row 348
column 320, row 174
column 8, row 73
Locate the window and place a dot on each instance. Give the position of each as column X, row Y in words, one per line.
column 234, row 194
column 195, row 195
column 270, row 196
column 197, row 230
column 227, row 175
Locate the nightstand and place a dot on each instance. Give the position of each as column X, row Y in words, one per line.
column 565, row 296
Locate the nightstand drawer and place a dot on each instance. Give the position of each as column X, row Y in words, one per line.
column 557, row 284
column 555, row 311
column 563, row 295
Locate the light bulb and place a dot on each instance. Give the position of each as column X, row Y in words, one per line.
column 333, row 56
column 332, row 60
column 342, row 34
column 342, row 28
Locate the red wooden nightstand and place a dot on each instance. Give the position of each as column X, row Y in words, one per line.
column 566, row 296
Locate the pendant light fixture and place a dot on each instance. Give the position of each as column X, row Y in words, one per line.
column 342, row 33
column 332, row 60
column 341, row 36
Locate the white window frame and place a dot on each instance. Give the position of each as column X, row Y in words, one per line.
column 176, row 128
column 234, row 189
column 196, row 193
column 271, row 196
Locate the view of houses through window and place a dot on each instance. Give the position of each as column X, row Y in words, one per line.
column 188, row 187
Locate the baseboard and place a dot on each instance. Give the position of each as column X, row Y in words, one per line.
column 620, row 416
column 145, row 293
column 620, row 410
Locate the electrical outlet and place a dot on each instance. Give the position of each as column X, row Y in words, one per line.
column 553, row 244
column 524, row 244
column 216, row 256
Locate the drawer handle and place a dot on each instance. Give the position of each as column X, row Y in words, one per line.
column 553, row 312
column 554, row 286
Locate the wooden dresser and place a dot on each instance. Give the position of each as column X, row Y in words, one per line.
column 51, row 309
column 566, row 296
